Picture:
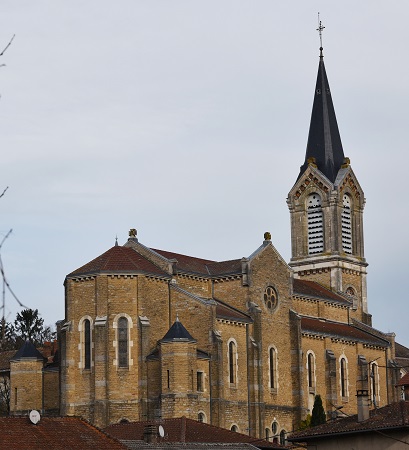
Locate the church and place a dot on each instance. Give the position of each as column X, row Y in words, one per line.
column 244, row 344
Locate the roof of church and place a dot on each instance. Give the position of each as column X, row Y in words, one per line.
column 313, row 289
column 55, row 433
column 324, row 141
column 340, row 330
column 184, row 430
column 401, row 351
column 28, row 350
column 177, row 332
column 227, row 312
column 202, row 266
column 393, row 416
column 119, row 259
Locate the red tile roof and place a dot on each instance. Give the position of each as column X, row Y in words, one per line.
column 404, row 381
column 119, row 259
column 306, row 288
column 393, row 416
column 339, row 330
column 183, row 430
column 56, row 433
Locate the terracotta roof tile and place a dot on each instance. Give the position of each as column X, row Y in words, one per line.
column 340, row 330
column 395, row 415
column 119, row 259
column 404, row 381
column 201, row 266
column 183, row 430
column 312, row 289
column 56, row 433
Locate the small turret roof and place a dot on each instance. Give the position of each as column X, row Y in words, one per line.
column 177, row 332
column 324, row 141
column 28, row 350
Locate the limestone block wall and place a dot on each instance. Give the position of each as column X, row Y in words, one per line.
column 26, row 385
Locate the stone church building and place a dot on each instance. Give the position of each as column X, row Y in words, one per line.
column 243, row 344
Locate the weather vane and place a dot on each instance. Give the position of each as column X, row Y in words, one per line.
column 319, row 29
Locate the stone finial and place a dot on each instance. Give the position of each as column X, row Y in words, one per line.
column 267, row 236
column 132, row 232
column 312, row 161
column 346, row 163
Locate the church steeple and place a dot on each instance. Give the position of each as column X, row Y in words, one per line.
column 324, row 146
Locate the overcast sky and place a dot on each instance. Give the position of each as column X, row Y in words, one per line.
column 188, row 120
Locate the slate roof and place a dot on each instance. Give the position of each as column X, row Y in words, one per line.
column 312, row 289
column 401, row 351
column 393, row 416
column 324, row 140
column 56, row 433
column 176, row 333
column 225, row 311
column 119, row 259
column 184, row 430
column 28, row 350
column 339, row 330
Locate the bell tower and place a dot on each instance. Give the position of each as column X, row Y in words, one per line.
column 326, row 206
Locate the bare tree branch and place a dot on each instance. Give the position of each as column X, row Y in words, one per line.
column 8, row 45
column 1, row 195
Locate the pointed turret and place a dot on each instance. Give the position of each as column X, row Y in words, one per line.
column 324, row 147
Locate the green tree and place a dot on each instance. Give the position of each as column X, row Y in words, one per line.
column 29, row 326
column 318, row 414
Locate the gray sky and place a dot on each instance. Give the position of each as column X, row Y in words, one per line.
column 188, row 120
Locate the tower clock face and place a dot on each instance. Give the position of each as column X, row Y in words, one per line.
column 314, row 201
column 346, row 201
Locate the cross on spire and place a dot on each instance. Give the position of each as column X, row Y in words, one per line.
column 320, row 29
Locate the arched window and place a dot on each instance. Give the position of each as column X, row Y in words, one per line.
column 283, row 437
column 346, row 224
column 311, row 371
column 234, row 428
column 123, row 340
column 201, row 417
column 267, row 434
column 344, row 378
column 315, row 225
column 274, row 429
column 87, row 344
column 272, row 367
column 374, row 377
column 232, row 355
column 85, row 329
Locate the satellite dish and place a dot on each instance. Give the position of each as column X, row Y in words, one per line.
column 34, row 416
column 161, row 431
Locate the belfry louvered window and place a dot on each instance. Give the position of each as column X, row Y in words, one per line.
column 315, row 225
column 346, row 224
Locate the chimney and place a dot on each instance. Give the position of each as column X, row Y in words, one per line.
column 363, row 404
column 150, row 435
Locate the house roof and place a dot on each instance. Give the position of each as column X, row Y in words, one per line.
column 140, row 445
column 393, row 416
column 312, row 289
column 57, row 433
column 118, row 259
column 324, row 141
column 339, row 330
column 184, row 430
column 401, row 351
column 404, row 381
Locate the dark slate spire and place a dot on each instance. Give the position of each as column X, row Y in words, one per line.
column 28, row 350
column 177, row 332
column 324, row 142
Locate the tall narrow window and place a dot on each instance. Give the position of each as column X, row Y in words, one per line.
column 273, row 368
column 344, row 379
column 283, row 437
column 87, row 344
column 315, row 225
column 346, row 224
column 311, row 371
column 123, row 342
column 200, row 383
column 232, row 362
column 374, row 376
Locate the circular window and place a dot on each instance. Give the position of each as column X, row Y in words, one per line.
column 270, row 298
